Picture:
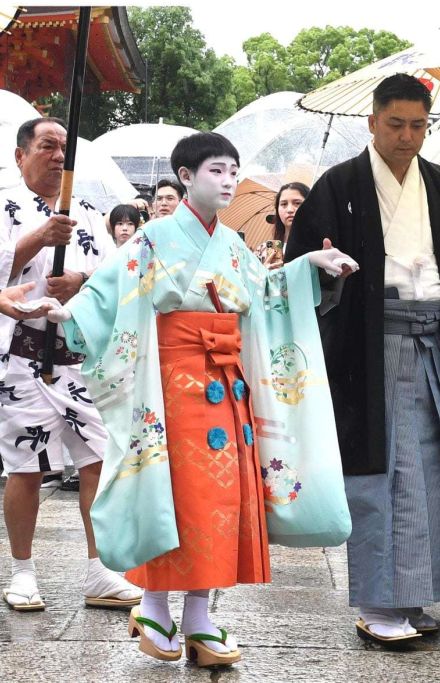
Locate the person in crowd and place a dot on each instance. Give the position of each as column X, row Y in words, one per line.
column 167, row 195
column 36, row 419
column 287, row 201
column 181, row 498
column 124, row 221
column 144, row 204
column 383, row 358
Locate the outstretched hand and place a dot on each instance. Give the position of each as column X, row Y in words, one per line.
column 13, row 303
column 37, row 308
column 333, row 261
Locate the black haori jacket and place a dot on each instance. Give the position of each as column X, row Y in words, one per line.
column 343, row 206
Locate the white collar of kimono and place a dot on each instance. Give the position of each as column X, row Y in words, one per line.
column 403, row 208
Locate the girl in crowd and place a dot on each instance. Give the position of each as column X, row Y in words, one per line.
column 124, row 221
column 287, row 201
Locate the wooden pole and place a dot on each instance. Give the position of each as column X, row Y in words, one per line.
column 67, row 177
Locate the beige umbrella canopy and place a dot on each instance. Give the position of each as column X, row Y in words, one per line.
column 248, row 210
column 9, row 16
column 352, row 95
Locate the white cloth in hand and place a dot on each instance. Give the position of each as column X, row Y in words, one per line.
column 31, row 306
column 332, row 260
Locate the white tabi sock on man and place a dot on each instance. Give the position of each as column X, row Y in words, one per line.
column 387, row 623
column 23, row 589
column 195, row 620
column 102, row 582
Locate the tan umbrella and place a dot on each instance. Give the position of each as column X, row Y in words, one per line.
column 352, row 95
column 9, row 16
column 248, row 210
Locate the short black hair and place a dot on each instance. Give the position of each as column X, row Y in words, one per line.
column 401, row 87
column 124, row 211
column 193, row 150
column 26, row 132
column 169, row 182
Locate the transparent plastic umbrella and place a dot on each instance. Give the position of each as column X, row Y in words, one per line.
column 14, row 111
column 251, row 128
column 279, row 142
column 295, row 154
column 142, row 150
column 97, row 178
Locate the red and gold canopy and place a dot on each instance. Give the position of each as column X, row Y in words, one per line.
column 36, row 59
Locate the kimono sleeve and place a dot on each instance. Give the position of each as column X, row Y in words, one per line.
column 114, row 324
column 301, row 468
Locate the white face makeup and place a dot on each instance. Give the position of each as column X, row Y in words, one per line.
column 213, row 185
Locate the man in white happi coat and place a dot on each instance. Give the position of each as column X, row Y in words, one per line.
column 382, row 347
column 36, row 419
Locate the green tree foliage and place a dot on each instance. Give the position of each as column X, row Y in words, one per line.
column 268, row 64
column 243, row 86
column 188, row 84
column 319, row 55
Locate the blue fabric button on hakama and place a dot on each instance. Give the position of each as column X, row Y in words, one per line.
column 217, row 438
column 238, row 389
column 215, row 392
column 248, row 435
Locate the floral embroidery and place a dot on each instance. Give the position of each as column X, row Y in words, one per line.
column 132, row 267
column 280, row 483
column 235, row 260
column 217, row 438
column 215, row 392
column 142, row 239
column 276, row 465
column 150, row 417
column 128, row 342
column 149, row 432
column 98, row 371
column 289, row 373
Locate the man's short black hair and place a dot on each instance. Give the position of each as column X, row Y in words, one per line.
column 169, row 182
column 193, row 150
column 26, row 132
column 124, row 212
column 401, row 87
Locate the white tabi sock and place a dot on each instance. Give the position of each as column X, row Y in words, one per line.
column 387, row 623
column 195, row 620
column 102, row 582
column 23, row 589
column 154, row 606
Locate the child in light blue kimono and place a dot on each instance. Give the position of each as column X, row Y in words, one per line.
column 185, row 321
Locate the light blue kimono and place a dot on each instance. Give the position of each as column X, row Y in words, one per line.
column 165, row 268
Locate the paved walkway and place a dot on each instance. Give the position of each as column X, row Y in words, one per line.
column 297, row 629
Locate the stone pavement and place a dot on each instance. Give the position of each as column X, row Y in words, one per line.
column 297, row 629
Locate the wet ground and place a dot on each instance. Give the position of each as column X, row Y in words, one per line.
column 298, row 629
